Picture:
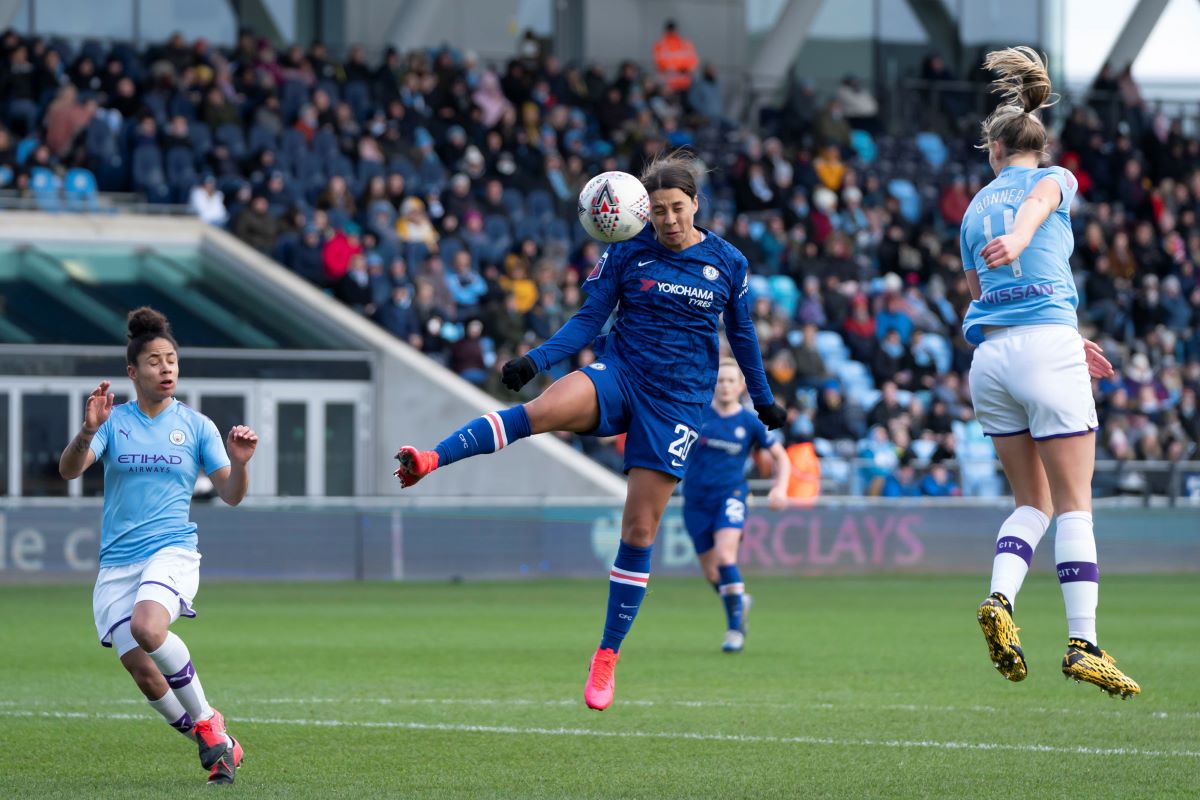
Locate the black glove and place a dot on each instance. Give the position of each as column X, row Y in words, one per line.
column 772, row 415
column 518, row 372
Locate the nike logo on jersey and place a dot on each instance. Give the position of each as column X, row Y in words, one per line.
column 625, row 606
column 644, row 263
column 675, row 463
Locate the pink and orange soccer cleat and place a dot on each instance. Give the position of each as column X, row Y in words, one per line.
column 211, row 738
column 598, row 692
column 227, row 765
column 414, row 464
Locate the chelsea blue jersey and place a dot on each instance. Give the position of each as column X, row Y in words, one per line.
column 669, row 308
column 717, row 465
column 1037, row 288
column 150, row 469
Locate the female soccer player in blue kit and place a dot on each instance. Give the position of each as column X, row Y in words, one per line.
column 652, row 378
column 715, row 492
column 1030, row 374
column 152, row 449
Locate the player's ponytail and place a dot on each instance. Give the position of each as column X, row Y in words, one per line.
column 674, row 170
column 146, row 325
column 1024, row 84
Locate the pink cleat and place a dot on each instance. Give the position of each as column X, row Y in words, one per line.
column 414, row 464
column 598, row 692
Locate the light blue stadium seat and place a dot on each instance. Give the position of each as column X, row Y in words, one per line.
column 45, row 185
column 81, row 191
column 863, row 145
column 784, row 293
column 910, row 199
column 932, row 148
column 760, row 286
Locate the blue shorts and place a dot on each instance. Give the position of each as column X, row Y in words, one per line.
column 705, row 516
column 659, row 432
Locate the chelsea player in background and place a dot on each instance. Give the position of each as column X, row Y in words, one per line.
column 1030, row 374
column 715, row 492
column 652, row 378
column 152, row 449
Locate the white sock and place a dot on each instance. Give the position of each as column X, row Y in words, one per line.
column 175, row 663
column 173, row 712
column 1075, row 552
column 1015, row 545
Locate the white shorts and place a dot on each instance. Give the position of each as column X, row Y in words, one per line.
column 1033, row 379
column 170, row 578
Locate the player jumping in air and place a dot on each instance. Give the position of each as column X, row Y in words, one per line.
column 1030, row 374
column 652, row 379
column 715, row 492
column 152, row 449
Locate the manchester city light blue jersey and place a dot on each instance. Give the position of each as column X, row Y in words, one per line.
column 150, row 469
column 669, row 312
column 718, row 462
column 1037, row 288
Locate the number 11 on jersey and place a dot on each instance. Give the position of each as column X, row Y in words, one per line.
column 1008, row 220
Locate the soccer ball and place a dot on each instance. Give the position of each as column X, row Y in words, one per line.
column 613, row 207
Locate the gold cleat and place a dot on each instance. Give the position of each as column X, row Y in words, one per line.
column 1086, row 662
column 1001, row 635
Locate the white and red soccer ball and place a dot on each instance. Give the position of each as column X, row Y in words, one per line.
column 613, row 207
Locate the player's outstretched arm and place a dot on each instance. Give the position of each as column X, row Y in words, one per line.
column 231, row 482
column 743, row 341
column 576, row 334
column 78, row 455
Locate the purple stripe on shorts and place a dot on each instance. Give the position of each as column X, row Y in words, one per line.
column 1065, row 435
column 1071, row 571
column 160, row 583
column 185, row 609
column 1002, row 435
column 183, row 677
column 183, row 724
column 1016, row 547
column 106, row 639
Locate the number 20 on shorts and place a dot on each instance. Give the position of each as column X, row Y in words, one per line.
column 681, row 446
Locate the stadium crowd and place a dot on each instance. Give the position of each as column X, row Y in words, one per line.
column 435, row 194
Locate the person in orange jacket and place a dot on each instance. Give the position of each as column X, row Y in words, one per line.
column 675, row 58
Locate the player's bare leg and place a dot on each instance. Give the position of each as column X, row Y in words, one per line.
column 1031, row 494
column 1069, row 463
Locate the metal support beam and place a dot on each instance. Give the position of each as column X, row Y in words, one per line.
column 777, row 51
column 942, row 30
column 255, row 15
column 410, row 27
column 1133, row 36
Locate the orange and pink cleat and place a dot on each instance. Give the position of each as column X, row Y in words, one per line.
column 598, row 692
column 414, row 464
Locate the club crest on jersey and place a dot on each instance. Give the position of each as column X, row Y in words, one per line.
column 599, row 366
column 176, row 436
column 710, row 272
column 739, row 432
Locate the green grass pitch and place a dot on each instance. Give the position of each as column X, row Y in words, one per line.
column 849, row 687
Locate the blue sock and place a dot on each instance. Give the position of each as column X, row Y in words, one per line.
column 732, row 591
column 485, row 434
column 626, row 587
